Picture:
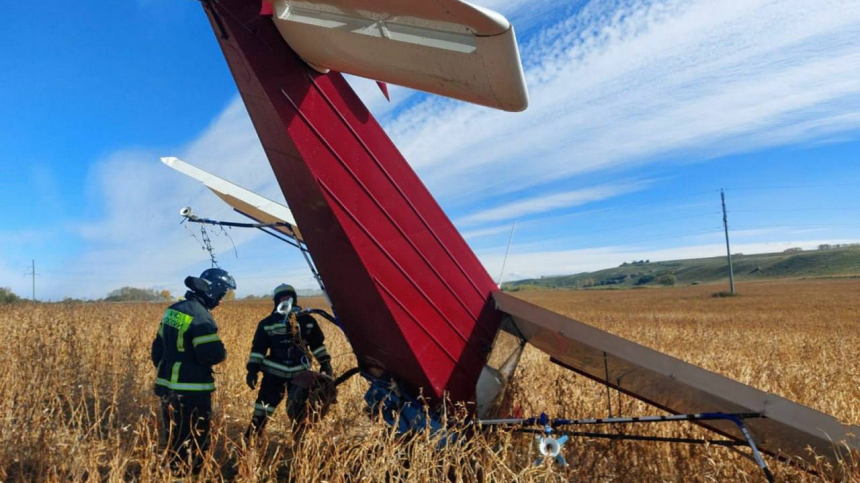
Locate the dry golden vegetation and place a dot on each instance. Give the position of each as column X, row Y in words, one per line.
column 76, row 401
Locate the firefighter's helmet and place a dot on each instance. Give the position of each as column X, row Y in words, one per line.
column 282, row 290
column 219, row 282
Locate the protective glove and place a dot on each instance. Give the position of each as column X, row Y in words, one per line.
column 251, row 380
column 326, row 369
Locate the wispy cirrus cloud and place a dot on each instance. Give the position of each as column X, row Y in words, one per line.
column 138, row 241
column 485, row 232
column 621, row 84
column 614, row 86
column 543, row 203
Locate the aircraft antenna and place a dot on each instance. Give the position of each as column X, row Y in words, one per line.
column 507, row 250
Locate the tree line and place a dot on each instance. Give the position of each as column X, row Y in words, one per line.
column 127, row 294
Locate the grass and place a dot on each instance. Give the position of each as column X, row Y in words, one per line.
column 76, row 401
column 840, row 262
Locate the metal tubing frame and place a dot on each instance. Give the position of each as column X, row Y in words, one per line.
column 208, row 221
column 737, row 419
column 633, row 437
column 280, row 237
column 300, row 245
column 267, row 229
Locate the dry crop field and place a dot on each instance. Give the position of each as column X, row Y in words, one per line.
column 76, row 401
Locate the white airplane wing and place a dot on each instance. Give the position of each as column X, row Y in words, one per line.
column 246, row 202
column 447, row 47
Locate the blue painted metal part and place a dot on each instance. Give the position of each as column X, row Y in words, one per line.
column 550, row 446
column 402, row 411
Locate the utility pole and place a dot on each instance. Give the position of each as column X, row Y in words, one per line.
column 32, row 273
column 505, row 260
column 728, row 248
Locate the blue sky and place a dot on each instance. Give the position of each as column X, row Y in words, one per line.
column 640, row 112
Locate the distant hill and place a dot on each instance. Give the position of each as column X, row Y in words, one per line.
column 789, row 264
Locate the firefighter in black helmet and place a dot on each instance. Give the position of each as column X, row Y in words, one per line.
column 184, row 350
column 282, row 349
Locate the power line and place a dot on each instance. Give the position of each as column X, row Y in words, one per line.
column 623, row 227
column 791, row 187
column 651, row 202
column 835, row 225
column 661, row 219
column 704, row 231
column 670, row 220
column 695, row 194
column 701, row 193
column 853, row 208
column 611, row 208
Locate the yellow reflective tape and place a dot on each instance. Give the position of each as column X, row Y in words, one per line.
column 188, row 386
column 174, row 374
column 174, row 383
column 275, row 372
column 179, row 321
column 203, row 339
column 281, row 367
column 320, row 350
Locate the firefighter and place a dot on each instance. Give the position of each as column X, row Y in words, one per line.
column 282, row 349
column 184, row 350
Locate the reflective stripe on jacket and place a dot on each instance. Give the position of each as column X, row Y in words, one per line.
column 185, row 349
column 284, row 348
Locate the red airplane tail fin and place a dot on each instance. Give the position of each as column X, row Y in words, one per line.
column 410, row 294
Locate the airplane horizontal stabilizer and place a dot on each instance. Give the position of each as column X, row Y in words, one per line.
column 244, row 201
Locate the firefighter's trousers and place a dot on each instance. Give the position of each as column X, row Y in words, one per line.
column 187, row 420
column 272, row 390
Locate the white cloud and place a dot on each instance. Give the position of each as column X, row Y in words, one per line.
column 544, row 203
column 801, row 231
column 753, row 232
column 626, row 83
column 138, row 241
column 485, row 232
column 618, row 85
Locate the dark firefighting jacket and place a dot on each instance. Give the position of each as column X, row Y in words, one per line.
column 284, row 348
column 186, row 347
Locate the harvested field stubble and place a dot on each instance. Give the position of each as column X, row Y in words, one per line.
column 76, row 401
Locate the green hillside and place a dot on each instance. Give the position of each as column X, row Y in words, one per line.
column 765, row 266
